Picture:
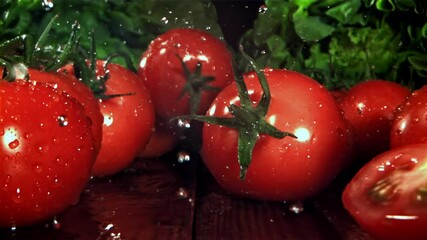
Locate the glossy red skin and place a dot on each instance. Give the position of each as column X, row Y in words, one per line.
column 281, row 169
column 377, row 218
column 43, row 166
column 128, row 120
column 369, row 107
column 163, row 140
column 78, row 90
column 410, row 124
column 163, row 73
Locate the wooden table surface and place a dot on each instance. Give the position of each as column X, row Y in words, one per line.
column 165, row 199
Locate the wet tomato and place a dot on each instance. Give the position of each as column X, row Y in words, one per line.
column 46, row 152
column 410, row 123
column 388, row 196
column 281, row 169
column 78, row 90
column 369, row 107
column 128, row 119
column 184, row 69
column 128, row 116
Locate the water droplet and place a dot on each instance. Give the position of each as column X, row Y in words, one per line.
column 63, row 121
column 56, row 224
column 164, row 20
column 38, row 168
column 422, row 195
column 17, row 196
column 262, row 9
column 47, row 5
column 183, row 156
column 184, row 123
column 14, row 144
column 296, row 208
column 182, row 193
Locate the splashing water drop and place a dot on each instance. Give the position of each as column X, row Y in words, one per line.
column 183, row 156
column 182, row 193
column 47, row 5
column 184, row 123
column 56, row 224
column 296, row 208
column 262, row 9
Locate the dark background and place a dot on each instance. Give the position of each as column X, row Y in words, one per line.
column 235, row 17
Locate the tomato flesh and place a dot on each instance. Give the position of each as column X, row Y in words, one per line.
column 388, row 196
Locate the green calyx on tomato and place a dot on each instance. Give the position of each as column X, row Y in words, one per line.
column 195, row 84
column 84, row 68
column 247, row 119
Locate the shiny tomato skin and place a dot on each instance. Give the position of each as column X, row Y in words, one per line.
column 46, row 152
column 163, row 74
column 401, row 211
column 78, row 90
column 410, row 123
column 369, row 107
column 281, row 169
column 128, row 120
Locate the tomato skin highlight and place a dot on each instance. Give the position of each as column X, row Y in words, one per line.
column 369, row 107
column 46, row 152
column 128, row 120
column 281, row 169
column 410, row 124
column 401, row 212
column 162, row 72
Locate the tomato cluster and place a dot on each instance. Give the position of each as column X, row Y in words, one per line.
column 387, row 196
column 268, row 134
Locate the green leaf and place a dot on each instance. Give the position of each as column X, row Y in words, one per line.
column 346, row 12
column 311, row 28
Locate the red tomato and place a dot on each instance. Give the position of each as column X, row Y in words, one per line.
column 163, row 140
column 80, row 92
column 163, row 73
column 369, row 107
column 288, row 168
column 410, row 122
column 128, row 120
column 388, row 196
column 46, row 152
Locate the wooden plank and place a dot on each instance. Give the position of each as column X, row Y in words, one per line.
column 220, row 216
column 154, row 199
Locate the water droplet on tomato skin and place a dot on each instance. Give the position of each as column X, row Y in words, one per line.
column 38, row 168
column 62, row 121
column 7, row 180
column 16, row 196
column 14, row 144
